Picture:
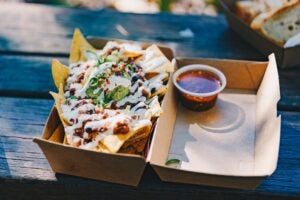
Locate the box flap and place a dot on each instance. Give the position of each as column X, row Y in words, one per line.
column 52, row 123
column 267, row 122
column 162, row 135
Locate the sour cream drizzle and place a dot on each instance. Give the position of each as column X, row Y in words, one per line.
column 90, row 123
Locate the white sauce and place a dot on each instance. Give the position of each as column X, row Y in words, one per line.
column 116, row 81
column 83, row 115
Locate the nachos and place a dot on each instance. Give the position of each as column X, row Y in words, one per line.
column 109, row 98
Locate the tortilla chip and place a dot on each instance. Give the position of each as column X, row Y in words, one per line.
column 60, row 73
column 150, row 75
column 132, row 54
column 102, row 148
column 136, row 138
column 59, row 99
column 65, row 140
column 115, row 142
column 160, row 92
column 140, row 145
column 58, row 134
column 78, row 47
column 128, row 150
column 167, row 66
column 137, row 147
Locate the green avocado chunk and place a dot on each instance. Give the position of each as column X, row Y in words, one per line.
column 119, row 93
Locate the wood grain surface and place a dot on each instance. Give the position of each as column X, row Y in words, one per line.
column 31, row 35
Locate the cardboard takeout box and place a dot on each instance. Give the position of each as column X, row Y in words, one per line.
column 239, row 150
column 117, row 168
column 286, row 57
column 236, row 143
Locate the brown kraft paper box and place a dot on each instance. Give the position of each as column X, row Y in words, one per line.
column 244, row 78
column 235, row 144
column 117, row 168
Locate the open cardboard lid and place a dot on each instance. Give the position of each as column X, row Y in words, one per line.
column 286, row 57
column 261, row 78
column 117, row 168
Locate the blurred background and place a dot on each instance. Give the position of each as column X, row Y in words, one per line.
column 195, row 7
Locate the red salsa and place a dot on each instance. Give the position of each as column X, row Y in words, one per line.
column 198, row 81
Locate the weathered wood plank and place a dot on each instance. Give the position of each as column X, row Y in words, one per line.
column 50, row 34
column 47, row 29
column 30, row 76
column 26, row 76
column 22, row 164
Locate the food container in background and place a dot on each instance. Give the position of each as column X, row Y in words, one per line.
column 199, row 86
column 286, row 57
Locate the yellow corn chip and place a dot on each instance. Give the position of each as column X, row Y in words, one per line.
column 58, row 134
column 59, row 99
column 78, row 47
column 115, row 142
column 60, row 73
column 164, row 67
column 128, row 150
column 65, row 140
column 102, row 148
column 135, row 138
column 131, row 54
column 140, row 145
column 160, row 92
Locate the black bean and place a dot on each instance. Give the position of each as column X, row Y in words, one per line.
column 89, row 130
column 134, row 79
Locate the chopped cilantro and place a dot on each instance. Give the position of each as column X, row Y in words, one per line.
column 129, row 66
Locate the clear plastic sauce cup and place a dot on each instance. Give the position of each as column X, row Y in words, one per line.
column 199, row 86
